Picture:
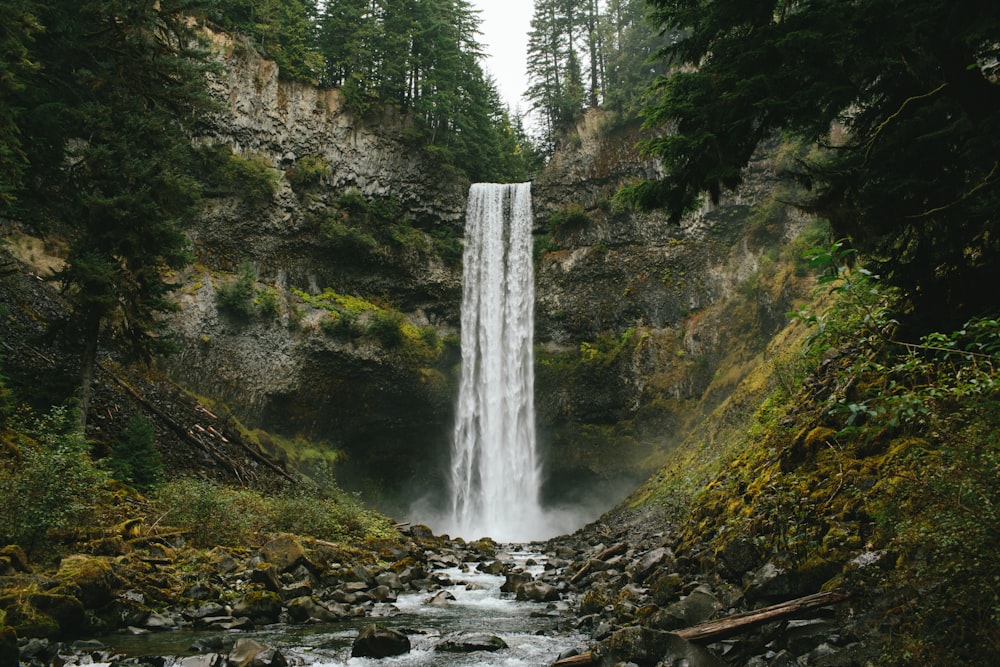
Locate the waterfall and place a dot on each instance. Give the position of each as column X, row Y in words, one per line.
column 495, row 473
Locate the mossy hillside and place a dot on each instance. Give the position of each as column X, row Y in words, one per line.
column 864, row 448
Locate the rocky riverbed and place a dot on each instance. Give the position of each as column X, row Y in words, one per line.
column 614, row 593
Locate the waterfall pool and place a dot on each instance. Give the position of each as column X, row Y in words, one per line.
column 535, row 633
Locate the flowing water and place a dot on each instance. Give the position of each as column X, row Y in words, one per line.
column 495, row 470
column 535, row 633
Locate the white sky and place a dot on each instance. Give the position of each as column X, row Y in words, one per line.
column 505, row 25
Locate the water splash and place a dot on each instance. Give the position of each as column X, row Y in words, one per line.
column 495, row 473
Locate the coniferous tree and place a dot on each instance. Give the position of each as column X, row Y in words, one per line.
column 904, row 96
column 110, row 163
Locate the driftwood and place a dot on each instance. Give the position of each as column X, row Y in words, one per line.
column 731, row 625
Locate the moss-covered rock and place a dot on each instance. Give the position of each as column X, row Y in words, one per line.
column 89, row 578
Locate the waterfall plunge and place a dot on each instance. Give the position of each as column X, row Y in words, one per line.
column 495, row 473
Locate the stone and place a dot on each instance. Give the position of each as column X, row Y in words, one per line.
column 306, row 608
column 284, row 552
column 13, row 559
column 89, row 578
column 159, row 622
column 648, row 647
column 470, row 643
column 698, row 606
column 391, row 580
column 440, row 599
column 643, row 566
column 204, row 660
column 492, row 567
column 244, row 652
column 262, row 607
column 537, row 591
column 375, row 641
column 515, row 579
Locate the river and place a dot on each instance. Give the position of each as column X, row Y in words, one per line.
column 535, row 633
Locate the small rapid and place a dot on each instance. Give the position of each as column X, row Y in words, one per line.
column 534, row 633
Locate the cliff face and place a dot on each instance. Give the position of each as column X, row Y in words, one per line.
column 644, row 326
column 640, row 326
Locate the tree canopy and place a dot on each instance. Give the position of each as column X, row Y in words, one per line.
column 903, row 99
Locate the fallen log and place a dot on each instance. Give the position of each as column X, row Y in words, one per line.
column 731, row 625
column 579, row 660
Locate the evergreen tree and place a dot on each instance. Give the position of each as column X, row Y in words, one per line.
column 110, row 163
column 905, row 98
column 18, row 25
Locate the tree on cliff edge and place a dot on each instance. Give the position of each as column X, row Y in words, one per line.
column 914, row 178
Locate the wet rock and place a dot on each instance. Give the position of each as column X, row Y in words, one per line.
column 515, row 579
column 440, row 599
column 382, row 594
column 537, row 591
column 244, row 651
column 492, row 567
column 737, row 557
column 646, row 647
column 772, row 583
column 295, row 590
column 266, row 574
column 160, row 622
column 205, row 660
column 471, row 643
column 391, row 580
column 375, row 641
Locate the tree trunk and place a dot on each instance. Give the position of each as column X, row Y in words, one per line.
column 88, row 366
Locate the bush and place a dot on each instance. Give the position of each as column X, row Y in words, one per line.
column 253, row 178
column 267, row 303
column 387, row 327
column 237, row 296
column 211, row 514
column 569, row 218
column 307, row 172
column 134, row 459
column 50, row 482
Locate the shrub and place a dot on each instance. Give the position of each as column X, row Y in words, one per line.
column 345, row 237
column 237, row 296
column 387, row 327
column 308, row 171
column 51, row 483
column 134, row 459
column 568, row 218
column 267, row 303
column 253, row 178
column 211, row 514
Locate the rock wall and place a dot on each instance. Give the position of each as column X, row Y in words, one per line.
column 641, row 326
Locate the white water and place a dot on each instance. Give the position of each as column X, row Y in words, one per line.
column 495, row 473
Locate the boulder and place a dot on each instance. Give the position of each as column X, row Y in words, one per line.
column 284, row 552
column 306, row 608
column 470, row 643
column 515, row 579
column 699, row 606
column 643, row 566
column 13, row 559
column 88, row 578
column 262, row 607
column 249, row 653
column 646, row 647
column 537, row 591
column 440, row 599
column 375, row 641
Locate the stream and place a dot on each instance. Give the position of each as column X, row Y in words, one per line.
column 535, row 633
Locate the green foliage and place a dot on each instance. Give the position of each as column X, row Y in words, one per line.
column 213, row 514
column 568, row 218
column 252, row 178
column 822, row 73
column 308, row 172
column 387, row 327
column 237, row 296
column 48, row 481
column 266, row 303
column 134, row 459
